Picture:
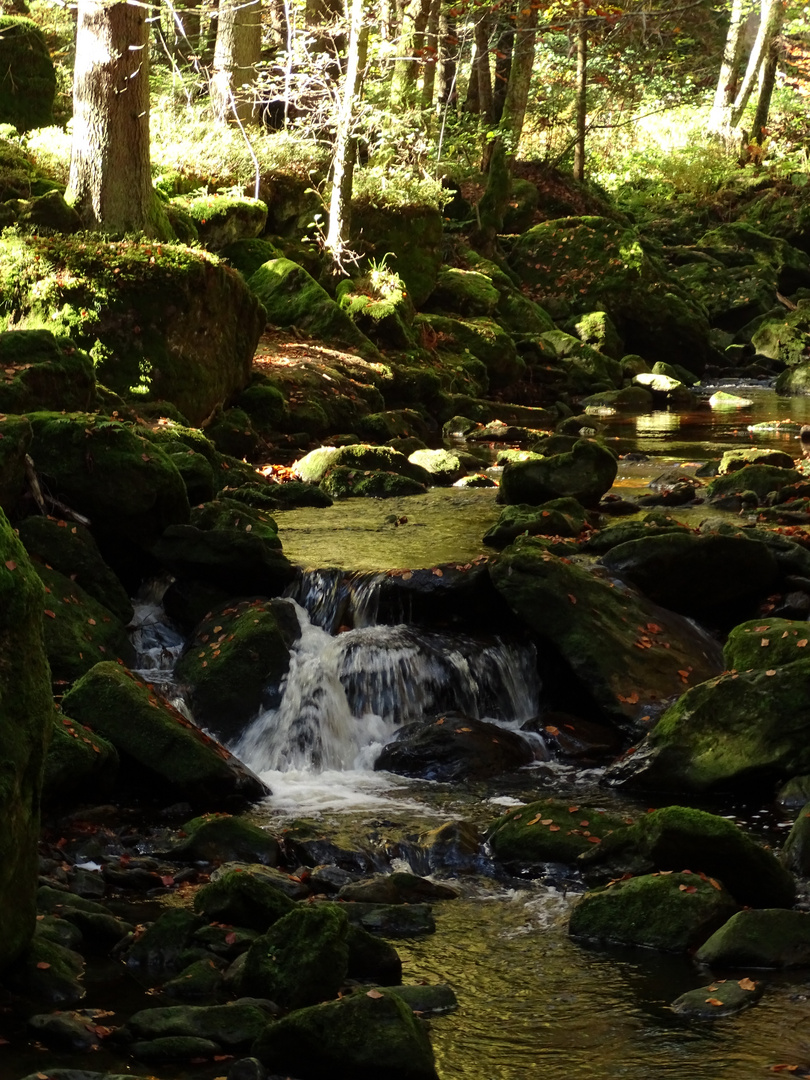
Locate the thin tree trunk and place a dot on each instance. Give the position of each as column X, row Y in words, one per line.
column 581, row 94
column 767, row 82
column 482, row 68
column 503, row 68
column 110, row 176
column 447, row 91
column 773, row 12
column 345, row 143
column 406, row 67
column 726, row 91
column 472, row 99
column 237, row 52
column 431, row 52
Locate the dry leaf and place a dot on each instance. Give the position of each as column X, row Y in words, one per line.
column 747, row 984
column 374, row 994
column 713, row 1001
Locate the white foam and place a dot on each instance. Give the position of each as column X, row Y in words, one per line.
column 303, row 793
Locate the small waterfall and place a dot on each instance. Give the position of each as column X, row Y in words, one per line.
column 345, row 694
column 157, row 642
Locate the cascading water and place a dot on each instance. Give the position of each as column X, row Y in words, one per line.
column 346, row 694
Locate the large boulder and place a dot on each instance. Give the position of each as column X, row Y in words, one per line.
column 766, row 643
column 223, row 219
column 410, row 236
column 26, row 711
column 551, row 831
column 40, row 371
column 585, row 473
column 157, row 743
column 454, row 747
column 583, row 264
column 630, row 655
column 160, row 321
column 480, row 336
column 770, row 938
column 742, row 728
column 28, row 84
column 15, row 442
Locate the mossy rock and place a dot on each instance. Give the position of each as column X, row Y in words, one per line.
column 70, row 549
column 795, row 853
column 551, row 831
column 172, row 1049
column 302, row 959
column 410, row 236
column 47, row 973
column 742, row 729
column 232, row 1026
column 159, row 949
column 224, row 219
column 20, row 177
column 585, row 473
column 26, row 719
column 48, row 214
column 628, row 399
column 625, row 531
column 161, row 322
column 734, row 460
column 766, row 643
column 737, row 243
column 28, row 85
column 291, row 297
column 559, row 517
column 361, row 457
column 668, row 912
column 40, row 371
column 695, row 574
column 172, row 753
column 444, row 466
column 380, row 307
column 222, row 838
column 794, row 380
column 242, row 899
column 341, row 482
column 247, row 255
column 365, row 1035
column 675, row 837
column 483, row 338
column 586, row 264
column 596, row 328
column 236, row 661
column 726, row 997
column 265, row 405
column 761, row 479
column 384, row 427
column 14, row 445
column 583, row 367
column 77, row 760
column 462, row 292
column 770, row 938
column 197, row 474
column 232, row 433
column 371, row 957
column 522, row 317
column 626, row 652
column 110, row 472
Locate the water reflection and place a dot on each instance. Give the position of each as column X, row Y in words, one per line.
column 658, row 424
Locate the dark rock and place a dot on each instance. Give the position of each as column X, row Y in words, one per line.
column 242, row 900
column 454, row 748
column 768, row 938
column 584, row 473
column 724, row 998
column 220, row 838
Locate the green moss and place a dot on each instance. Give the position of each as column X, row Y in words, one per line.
column 408, row 238
column 560, row 517
column 761, row 479
column 551, row 831
column 766, row 643
column 240, row 899
column 232, row 433
column 14, row 445
column 47, row 973
column 159, row 948
column 77, row 758
column 39, row 371
column 247, row 256
column 463, row 292
column 483, row 338
column 234, row 1025
column 585, row 473
column 265, row 405
column 342, row 482
column 220, row 838
column 669, row 912
column 28, row 82
column 762, row 939
column 224, row 219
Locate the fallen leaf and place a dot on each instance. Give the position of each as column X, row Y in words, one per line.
column 534, row 820
column 594, row 840
column 49, row 613
column 771, row 672
column 374, row 994
column 747, row 984
column 572, row 598
column 10, row 564
column 801, row 644
column 764, row 643
column 43, row 965
column 713, row 1001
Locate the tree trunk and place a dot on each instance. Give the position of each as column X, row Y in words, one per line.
column 413, row 20
column 767, row 82
column 726, row 91
column 503, row 68
column 345, row 144
column 110, row 176
column 482, row 68
column 494, row 200
column 773, row 13
column 581, row 94
column 447, row 91
column 237, row 51
column 431, row 54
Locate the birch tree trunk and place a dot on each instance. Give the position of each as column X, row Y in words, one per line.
column 773, row 13
column 110, row 182
column 726, row 91
column 767, row 81
column 581, row 94
column 236, row 54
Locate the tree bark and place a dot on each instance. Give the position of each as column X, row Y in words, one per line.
column 447, row 91
column 237, row 51
column 581, row 94
column 431, row 54
column 110, row 175
column 345, row 144
column 773, row 13
column 726, row 91
column 482, row 68
column 413, row 20
column 503, row 68
column 767, row 82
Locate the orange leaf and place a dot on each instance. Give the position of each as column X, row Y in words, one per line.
column 43, row 965
column 374, row 994
column 554, row 828
column 594, row 840
column 10, row 564
column 764, row 642
column 534, row 820
column 49, row 613
column 747, row 984
column 713, row 1001
column 771, row 672
column 801, row 644
column 230, row 938
column 553, row 730
column 572, row 598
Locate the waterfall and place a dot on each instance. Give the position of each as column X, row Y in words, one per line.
column 345, row 694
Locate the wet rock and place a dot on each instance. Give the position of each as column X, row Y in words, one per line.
column 247, row 1069
column 675, row 837
column 767, row 938
column 761, row 479
column 722, row 401
column 74, row 1031
column 795, row 854
column 668, row 912
column 60, row 931
column 726, row 997
column 584, row 473
column 428, row 999
column 327, row 878
column 98, row 927
column 372, row 958
column 454, row 846
column 291, row 885
column 200, row 981
column 159, row 949
column 221, row 838
column 391, row 920
column 242, row 900
column 302, row 959
column 364, row 1036
column 169, row 750
column 766, row 643
column 454, row 747
column 551, row 831
column 628, row 653
column 233, row 1025
column 235, row 661
column 741, row 728
column 397, row 888
column 344, row 483
column 173, row 1048
column 734, row 460
column 48, row 974
column 559, row 517
column 444, row 466
column 572, row 738
column 795, row 793
column 694, row 575
column 226, row 941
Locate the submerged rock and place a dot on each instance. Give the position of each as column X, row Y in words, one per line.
column 551, row 831
column 726, row 997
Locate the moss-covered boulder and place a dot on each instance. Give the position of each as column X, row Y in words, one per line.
column 761, row 479
column 40, row 371
column 675, row 837
column 769, row 938
column 739, row 244
column 242, row 899
column 28, row 84
column 596, row 328
column 558, row 517
column 77, row 760
column 172, row 754
column 462, row 292
column 765, row 643
column 343, row 483
column 742, row 728
column 733, row 460
column 480, row 336
column 362, row 457
column 26, row 712
column 160, row 948
column 234, row 663
column 222, row 838
column 584, row 264
column 229, row 544
column 14, row 445
column 695, row 574
column 795, row 853
column 583, row 367
column 302, row 959
column 48, row 973
column 725, row 997
column 291, row 297
column 454, row 747
column 379, row 305
column 668, row 912
column 366, row 1035
column 628, row 654
column 584, row 473
column 160, row 321
column 551, row 831
column 444, row 466
column 232, row 1026
column 107, row 470
column 409, row 236
column 224, row 219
